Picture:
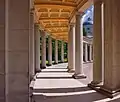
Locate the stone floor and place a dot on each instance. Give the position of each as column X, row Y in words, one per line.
column 54, row 84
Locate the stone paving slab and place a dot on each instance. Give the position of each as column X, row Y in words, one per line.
column 55, row 84
column 54, row 75
column 55, row 70
column 61, row 65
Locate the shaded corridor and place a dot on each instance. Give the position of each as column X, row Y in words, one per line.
column 55, row 84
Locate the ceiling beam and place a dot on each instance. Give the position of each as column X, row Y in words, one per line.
column 62, row 36
column 80, row 4
column 55, row 3
column 54, row 19
column 59, row 32
column 66, row 34
column 57, row 27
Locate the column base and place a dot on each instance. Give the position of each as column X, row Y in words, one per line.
column 38, row 70
column 95, row 85
column 49, row 64
column 91, row 61
column 70, row 71
column 108, row 92
column 79, row 76
column 87, row 62
column 31, row 77
column 103, row 90
column 55, row 63
column 43, row 67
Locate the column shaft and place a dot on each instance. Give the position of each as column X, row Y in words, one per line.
column 31, row 46
column 50, row 51
column 90, row 46
column 17, row 50
column 79, row 48
column 97, row 43
column 111, row 47
column 71, row 49
column 62, row 51
column 43, row 49
column 2, row 50
column 37, row 48
column 86, row 52
column 56, row 51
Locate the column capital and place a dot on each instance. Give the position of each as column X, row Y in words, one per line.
column 72, row 24
column 78, row 13
column 97, row 1
column 36, row 25
column 32, row 11
column 49, row 36
column 43, row 33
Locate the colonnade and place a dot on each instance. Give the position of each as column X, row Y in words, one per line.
column 106, row 39
column 43, row 52
column 78, row 48
column 20, row 48
column 44, row 36
column 106, row 53
column 35, row 49
column 88, row 52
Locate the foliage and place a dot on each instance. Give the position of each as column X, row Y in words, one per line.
column 53, row 49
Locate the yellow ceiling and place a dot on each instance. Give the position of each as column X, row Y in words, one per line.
column 54, row 15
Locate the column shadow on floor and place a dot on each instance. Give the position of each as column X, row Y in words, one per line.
column 78, row 94
column 62, row 90
column 53, row 71
column 66, row 92
column 54, row 77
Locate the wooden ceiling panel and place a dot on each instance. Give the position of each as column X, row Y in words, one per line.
column 43, row 15
column 72, row 1
column 43, row 10
column 66, row 10
column 54, row 10
column 55, row 0
column 55, row 24
column 54, row 16
column 65, row 15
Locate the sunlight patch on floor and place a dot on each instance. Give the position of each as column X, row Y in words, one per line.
column 57, row 83
column 65, row 94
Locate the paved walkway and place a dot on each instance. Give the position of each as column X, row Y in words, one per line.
column 54, row 84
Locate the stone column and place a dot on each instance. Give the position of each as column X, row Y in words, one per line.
column 37, row 48
column 79, row 47
column 50, row 51
column 90, row 47
column 3, row 29
column 71, row 49
column 111, row 48
column 56, row 51
column 86, row 52
column 97, row 45
column 14, row 50
column 43, row 61
column 62, row 51
column 31, row 47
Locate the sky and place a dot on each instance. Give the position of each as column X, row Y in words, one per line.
column 88, row 14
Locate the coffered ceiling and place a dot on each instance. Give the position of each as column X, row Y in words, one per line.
column 54, row 15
